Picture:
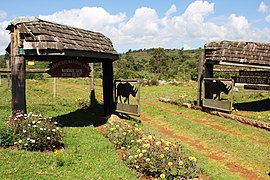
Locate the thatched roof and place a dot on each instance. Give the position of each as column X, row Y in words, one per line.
column 238, row 52
column 41, row 37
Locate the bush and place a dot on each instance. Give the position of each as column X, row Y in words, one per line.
column 36, row 133
column 149, row 155
column 7, row 137
column 122, row 135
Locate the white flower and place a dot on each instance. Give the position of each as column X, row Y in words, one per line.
column 20, row 141
column 35, row 115
column 57, row 128
column 32, row 141
column 53, row 130
column 61, row 131
column 39, row 122
column 25, row 144
column 33, row 122
column 29, row 124
column 44, row 129
column 24, row 131
column 15, row 119
column 41, row 129
column 15, row 143
column 48, row 138
column 18, row 116
column 55, row 122
column 28, row 139
column 35, row 126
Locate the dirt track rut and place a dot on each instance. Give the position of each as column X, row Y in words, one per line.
column 214, row 154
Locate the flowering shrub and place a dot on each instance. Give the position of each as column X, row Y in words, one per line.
column 7, row 137
column 36, row 133
column 122, row 135
column 149, row 155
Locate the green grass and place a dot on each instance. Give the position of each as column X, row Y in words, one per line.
column 88, row 155
column 242, row 148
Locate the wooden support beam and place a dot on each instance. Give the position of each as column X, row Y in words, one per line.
column 208, row 73
column 200, row 71
column 109, row 106
column 18, row 76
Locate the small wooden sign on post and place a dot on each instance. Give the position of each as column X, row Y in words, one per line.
column 69, row 69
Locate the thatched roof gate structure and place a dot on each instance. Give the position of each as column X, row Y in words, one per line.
column 36, row 39
column 249, row 56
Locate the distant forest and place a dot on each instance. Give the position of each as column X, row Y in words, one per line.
column 154, row 63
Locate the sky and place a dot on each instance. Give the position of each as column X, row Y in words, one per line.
column 139, row 24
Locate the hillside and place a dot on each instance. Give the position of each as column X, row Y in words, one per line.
column 154, row 63
column 158, row 63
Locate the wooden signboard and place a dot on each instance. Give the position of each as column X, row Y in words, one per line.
column 69, row 69
column 251, row 80
column 256, row 87
column 255, row 73
column 127, row 96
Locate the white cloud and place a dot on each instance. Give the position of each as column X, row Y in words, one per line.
column 267, row 18
column 145, row 29
column 4, row 36
column 172, row 10
column 3, row 14
column 263, row 8
column 94, row 18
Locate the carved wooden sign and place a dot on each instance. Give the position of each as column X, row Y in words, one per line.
column 251, row 80
column 69, row 69
column 256, row 87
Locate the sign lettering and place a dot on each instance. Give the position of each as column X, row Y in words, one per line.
column 255, row 73
column 69, row 68
column 256, row 87
column 251, row 80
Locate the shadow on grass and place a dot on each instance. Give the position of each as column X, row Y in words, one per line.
column 127, row 117
column 83, row 117
column 261, row 105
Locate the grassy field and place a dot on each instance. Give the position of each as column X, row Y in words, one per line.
column 225, row 149
column 88, row 155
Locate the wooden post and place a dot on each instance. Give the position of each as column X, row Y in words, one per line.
column 200, row 70
column 18, row 76
column 107, row 68
column 208, row 73
column 93, row 100
column 8, row 74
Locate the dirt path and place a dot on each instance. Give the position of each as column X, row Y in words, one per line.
column 213, row 154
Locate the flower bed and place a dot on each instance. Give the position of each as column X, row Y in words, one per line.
column 31, row 132
column 149, row 155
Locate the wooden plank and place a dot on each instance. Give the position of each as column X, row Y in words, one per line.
column 18, row 77
column 109, row 106
column 254, row 73
column 256, row 87
column 200, row 79
column 215, row 104
column 128, row 109
column 7, row 70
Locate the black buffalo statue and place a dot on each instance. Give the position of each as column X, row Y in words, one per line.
column 216, row 87
column 124, row 90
